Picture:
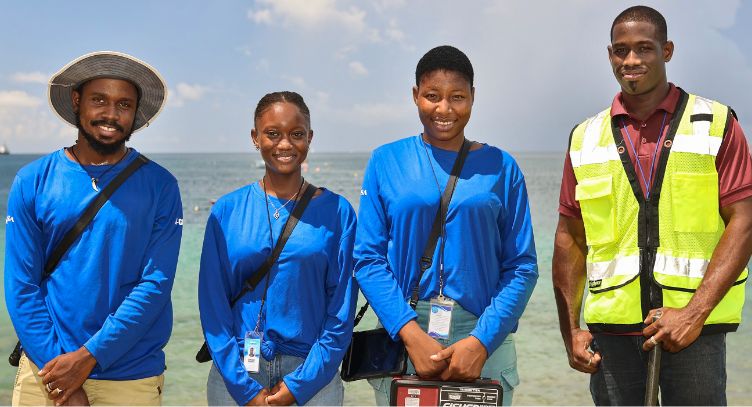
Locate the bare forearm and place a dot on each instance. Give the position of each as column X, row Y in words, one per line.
column 569, row 276
column 568, row 272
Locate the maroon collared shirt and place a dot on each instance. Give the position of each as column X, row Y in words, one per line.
column 733, row 161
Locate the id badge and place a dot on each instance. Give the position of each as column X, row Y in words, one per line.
column 252, row 352
column 440, row 319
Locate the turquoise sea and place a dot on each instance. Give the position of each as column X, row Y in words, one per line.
column 544, row 371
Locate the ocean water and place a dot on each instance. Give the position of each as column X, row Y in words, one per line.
column 544, row 371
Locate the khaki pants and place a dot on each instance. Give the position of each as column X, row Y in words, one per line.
column 28, row 389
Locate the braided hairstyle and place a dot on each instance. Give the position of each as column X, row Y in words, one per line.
column 279, row 97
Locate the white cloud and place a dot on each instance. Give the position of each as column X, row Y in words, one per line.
column 263, row 65
column 245, row 50
column 190, row 92
column 393, row 32
column 385, row 5
column 26, row 129
column 295, row 80
column 368, row 114
column 343, row 52
column 263, row 16
column 357, row 68
column 309, row 14
column 30, row 77
column 17, row 98
column 185, row 92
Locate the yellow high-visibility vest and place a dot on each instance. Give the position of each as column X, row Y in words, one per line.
column 665, row 241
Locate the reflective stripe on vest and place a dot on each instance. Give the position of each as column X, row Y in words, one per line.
column 689, row 225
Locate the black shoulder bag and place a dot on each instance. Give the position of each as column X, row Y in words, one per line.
column 203, row 354
column 373, row 353
column 74, row 232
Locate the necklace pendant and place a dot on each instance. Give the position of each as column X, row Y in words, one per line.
column 276, row 214
column 94, row 184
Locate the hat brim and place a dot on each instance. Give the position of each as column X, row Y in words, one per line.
column 109, row 64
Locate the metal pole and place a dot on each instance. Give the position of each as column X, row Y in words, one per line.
column 654, row 374
column 654, row 371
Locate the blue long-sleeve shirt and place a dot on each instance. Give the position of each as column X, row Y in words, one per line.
column 490, row 264
column 111, row 290
column 311, row 297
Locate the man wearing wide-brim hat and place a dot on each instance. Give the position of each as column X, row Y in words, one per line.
column 92, row 327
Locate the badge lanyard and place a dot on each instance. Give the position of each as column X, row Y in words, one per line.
column 443, row 225
column 649, row 182
column 440, row 317
column 253, row 339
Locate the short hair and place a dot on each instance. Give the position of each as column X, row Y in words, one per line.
column 444, row 58
column 643, row 14
column 280, row 97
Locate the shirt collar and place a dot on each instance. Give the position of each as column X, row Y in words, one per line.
column 668, row 104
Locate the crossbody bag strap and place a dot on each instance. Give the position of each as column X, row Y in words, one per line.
column 90, row 212
column 438, row 222
column 292, row 221
column 86, row 217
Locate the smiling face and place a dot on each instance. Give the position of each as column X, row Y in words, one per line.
column 106, row 110
column 445, row 101
column 638, row 57
column 283, row 135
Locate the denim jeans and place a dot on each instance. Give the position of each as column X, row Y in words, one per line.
column 271, row 373
column 695, row 375
column 500, row 365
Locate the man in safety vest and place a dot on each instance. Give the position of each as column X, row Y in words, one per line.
column 655, row 220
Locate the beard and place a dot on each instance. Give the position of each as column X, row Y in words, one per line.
column 98, row 146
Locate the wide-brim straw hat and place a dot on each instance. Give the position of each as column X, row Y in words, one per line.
column 152, row 89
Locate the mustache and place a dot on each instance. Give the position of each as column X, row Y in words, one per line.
column 107, row 123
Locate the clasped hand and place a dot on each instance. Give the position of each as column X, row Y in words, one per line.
column 279, row 395
column 64, row 375
column 461, row 361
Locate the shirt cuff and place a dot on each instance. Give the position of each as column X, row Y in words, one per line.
column 102, row 361
column 486, row 342
column 250, row 394
column 736, row 196
column 303, row 392
column 570, row 212
column 402, row 321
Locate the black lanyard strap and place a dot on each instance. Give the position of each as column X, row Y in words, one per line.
column 426, row 260
column 440, row 220
column 290, row 224
column 75, row 232
column 90, row 212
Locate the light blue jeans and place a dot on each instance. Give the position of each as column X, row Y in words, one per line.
column 270, row 373
column 500, row 365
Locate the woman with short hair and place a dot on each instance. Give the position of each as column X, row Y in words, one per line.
column 484, row 269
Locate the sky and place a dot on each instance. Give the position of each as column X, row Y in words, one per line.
column 540, row 66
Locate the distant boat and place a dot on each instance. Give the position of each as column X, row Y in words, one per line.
column 4, row 150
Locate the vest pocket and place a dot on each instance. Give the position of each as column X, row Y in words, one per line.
column 598, row 211
column 694, row 202
column 616, row 301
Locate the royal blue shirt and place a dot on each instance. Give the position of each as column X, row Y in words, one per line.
column 310, row 301
column 111, row 290
column 490, row 264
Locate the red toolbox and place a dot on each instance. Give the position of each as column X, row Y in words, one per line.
column 411, row 391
